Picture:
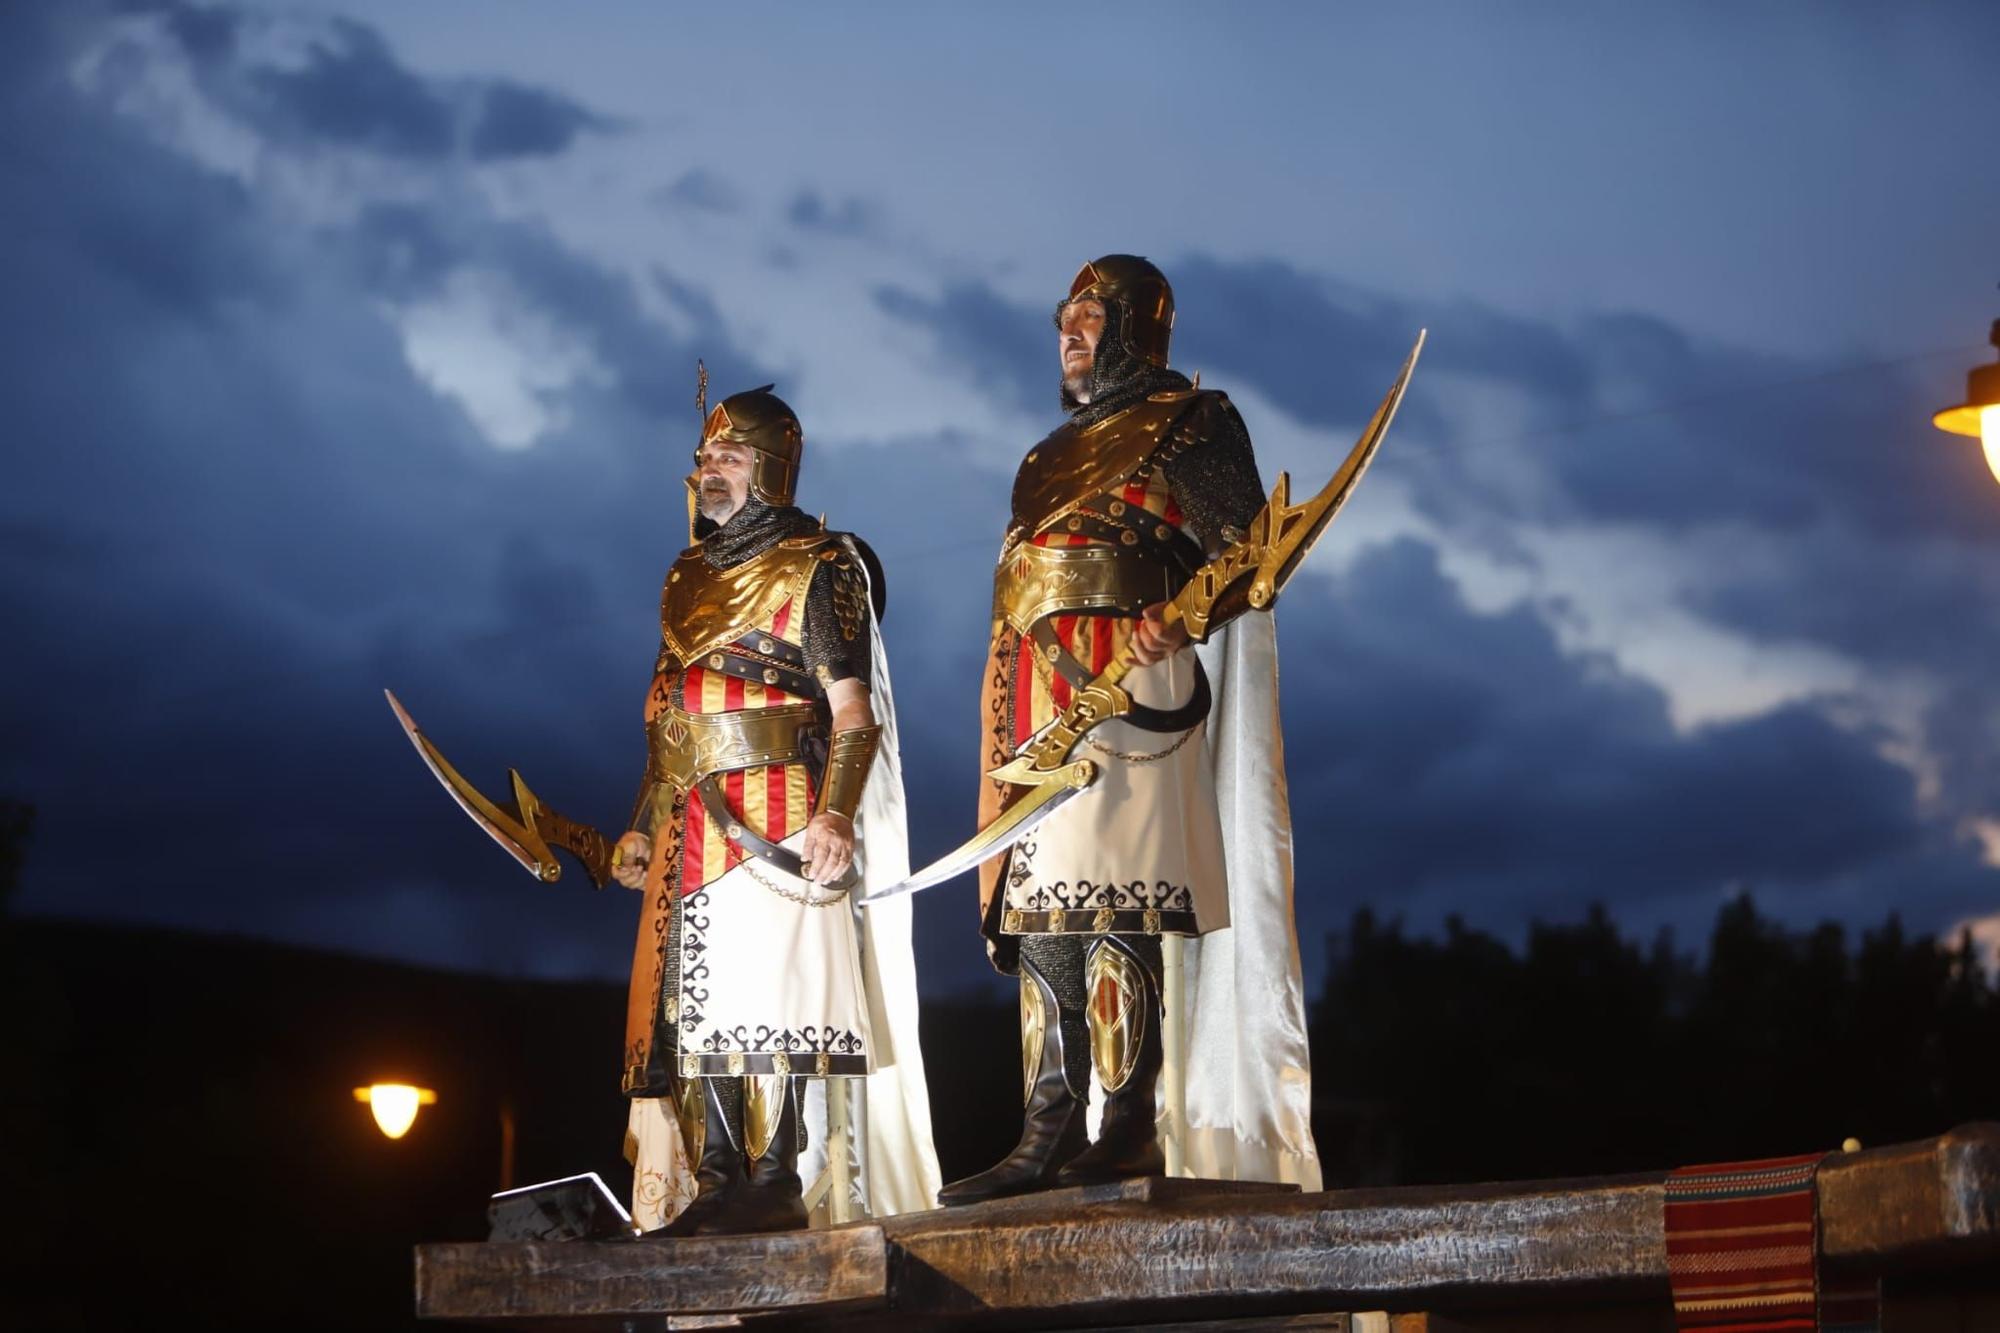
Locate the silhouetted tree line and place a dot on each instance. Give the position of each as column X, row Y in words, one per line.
column 1460, row 1059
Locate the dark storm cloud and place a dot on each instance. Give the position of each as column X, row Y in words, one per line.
column 1451, row 757
column 351, row 91
column 1005, row 349
column 516, row 121
column 702, row 190
column 234, row 515
column 1627, row 417
column 849, row 216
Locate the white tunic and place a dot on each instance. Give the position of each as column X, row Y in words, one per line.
column 1145, row 838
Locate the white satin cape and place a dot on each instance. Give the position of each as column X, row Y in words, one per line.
column 1248, row 1071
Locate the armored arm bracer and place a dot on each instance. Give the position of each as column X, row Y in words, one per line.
column 849, row 756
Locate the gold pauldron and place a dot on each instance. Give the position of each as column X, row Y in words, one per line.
column 687, row 747
column 1038, row 581
column 848, row 759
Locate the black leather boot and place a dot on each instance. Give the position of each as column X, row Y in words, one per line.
column 719, row 1171
column 1125, row 1046
column 773, row 1200
column 1053, row 1129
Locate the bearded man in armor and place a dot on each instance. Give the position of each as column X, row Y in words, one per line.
column 1186, row 831
column 771, row 773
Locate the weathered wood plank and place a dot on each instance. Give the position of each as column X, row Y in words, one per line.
column 1330, row 1246
column 1065, row 1202
column 816, row 1270
column 1914, row 1203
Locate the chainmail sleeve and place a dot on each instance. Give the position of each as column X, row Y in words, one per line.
column 1215, row 480
column 837, row 614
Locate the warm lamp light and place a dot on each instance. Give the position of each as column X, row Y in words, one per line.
column 395, row 1105
column 1979, row 414
column 1989, row 435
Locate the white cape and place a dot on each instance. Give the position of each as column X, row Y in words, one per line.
column 1248, row 1071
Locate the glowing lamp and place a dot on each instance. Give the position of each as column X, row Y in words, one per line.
column 1979, row 414
column 395, row 1105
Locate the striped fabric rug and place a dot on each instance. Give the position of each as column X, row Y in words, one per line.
column 1743, row 1250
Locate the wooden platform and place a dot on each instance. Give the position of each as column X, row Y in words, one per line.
column 1177, row 1253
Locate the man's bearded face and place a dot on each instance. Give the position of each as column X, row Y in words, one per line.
column 1077, row 331
column 722, row 479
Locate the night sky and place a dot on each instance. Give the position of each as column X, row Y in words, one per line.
column 354, row 347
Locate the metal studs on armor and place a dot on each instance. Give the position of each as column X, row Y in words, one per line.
column 770, row 676
column 780, row 1063
column 1102, row 923
column 1056, row 921
column 735, row 1063
column 735, row 831
column 715, row 660
column 1010, row 922
column 1129, row 537
column 822, row 1063
column 1152, row 921
column 1075, row 525
column 1163, row 532
column 1117, row 508
column 765, row 645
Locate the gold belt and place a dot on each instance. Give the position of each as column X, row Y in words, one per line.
column 688, row 747
column 1037, row 581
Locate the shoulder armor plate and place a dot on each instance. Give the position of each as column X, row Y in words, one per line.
column 1073, row 465
column 703, row 608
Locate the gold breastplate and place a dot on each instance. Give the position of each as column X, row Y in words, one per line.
column 1074, row 465
column 704, row 608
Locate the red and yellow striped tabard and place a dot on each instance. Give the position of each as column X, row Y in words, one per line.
column 774, row 802
column 1038, row 693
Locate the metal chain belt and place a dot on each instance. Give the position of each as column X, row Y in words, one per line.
column 804, row 899
column 1104, row 749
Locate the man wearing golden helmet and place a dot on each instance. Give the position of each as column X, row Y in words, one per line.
column 1186, row 833
column 760, row 993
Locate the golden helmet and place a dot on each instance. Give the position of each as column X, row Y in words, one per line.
column 761, row 420
column 1144, row 294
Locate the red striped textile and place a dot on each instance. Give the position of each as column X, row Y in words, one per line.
column 1743, row 1252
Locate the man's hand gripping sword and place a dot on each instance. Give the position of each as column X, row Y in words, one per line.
column 526, row 829
column 1246, row 577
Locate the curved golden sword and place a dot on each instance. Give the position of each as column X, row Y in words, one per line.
column 527, row 829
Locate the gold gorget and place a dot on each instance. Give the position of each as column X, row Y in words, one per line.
column 1077, row 464
column 704, row 608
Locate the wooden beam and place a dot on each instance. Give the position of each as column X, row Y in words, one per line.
column 820, row 1271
